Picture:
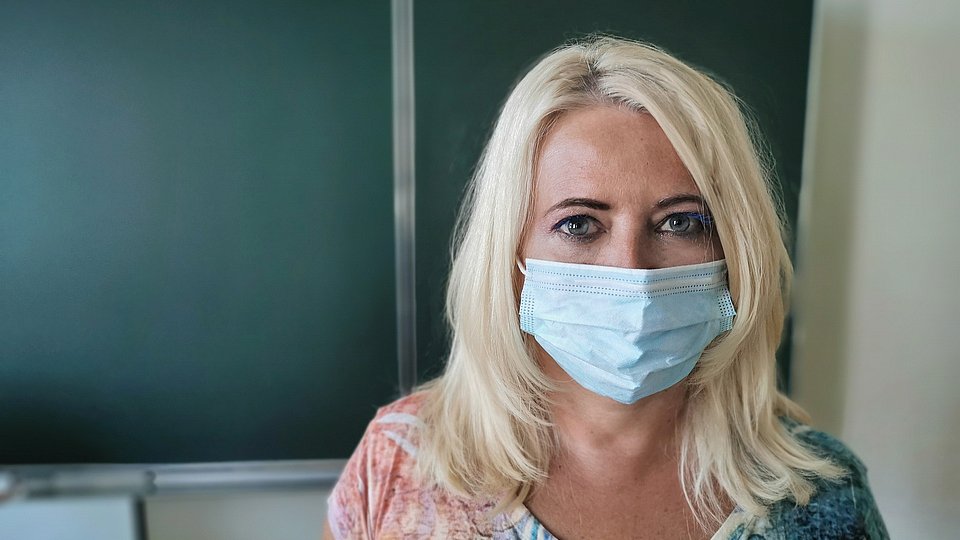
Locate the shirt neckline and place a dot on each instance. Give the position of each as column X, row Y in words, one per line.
column 530, row 527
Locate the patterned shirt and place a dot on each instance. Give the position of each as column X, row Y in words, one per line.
column 379, row 495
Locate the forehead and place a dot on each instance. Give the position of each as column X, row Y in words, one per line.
column 609, row 152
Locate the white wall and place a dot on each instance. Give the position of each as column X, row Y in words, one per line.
column 289, row 515
column 84, row 518
column 234, row 515
column 877, row 350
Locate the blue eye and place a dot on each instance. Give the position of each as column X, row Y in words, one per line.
column 577, row 227
column 685, row 223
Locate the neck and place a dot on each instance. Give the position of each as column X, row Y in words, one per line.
column 596, row 431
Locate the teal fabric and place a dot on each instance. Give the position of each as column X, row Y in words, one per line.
column 844, row 509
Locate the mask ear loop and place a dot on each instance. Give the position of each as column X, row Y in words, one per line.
column 521, row 267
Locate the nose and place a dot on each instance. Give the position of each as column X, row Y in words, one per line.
column 627, row 251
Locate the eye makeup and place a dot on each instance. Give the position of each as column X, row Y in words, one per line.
column 685, row 224
column 578, row 228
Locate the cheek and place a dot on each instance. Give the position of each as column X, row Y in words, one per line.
column 668, row 252
column 716, row 248
column 535, row 244
column 707, row 248
column 711, row 250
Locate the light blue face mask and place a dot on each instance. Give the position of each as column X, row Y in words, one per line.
column 625, row 333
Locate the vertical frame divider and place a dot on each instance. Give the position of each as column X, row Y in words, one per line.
column 404, row 191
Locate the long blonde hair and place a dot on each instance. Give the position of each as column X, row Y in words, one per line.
column 488, row 426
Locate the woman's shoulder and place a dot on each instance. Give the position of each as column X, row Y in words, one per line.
column 827, row 446
column 410, row 404
column 389, row 446
column 401, row 417
column 382, row 493
column 842, row 508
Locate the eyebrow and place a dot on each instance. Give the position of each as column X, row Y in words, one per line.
column 578, row 201
column 681, row 199
column 598, row 205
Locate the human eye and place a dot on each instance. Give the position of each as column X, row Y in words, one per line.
column 685, row 224
column 579, row 228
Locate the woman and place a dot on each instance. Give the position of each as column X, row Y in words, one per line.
column 616, row 299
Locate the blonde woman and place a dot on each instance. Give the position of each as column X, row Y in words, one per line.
column 616, row 298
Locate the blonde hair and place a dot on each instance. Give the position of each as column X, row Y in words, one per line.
column 488, row 429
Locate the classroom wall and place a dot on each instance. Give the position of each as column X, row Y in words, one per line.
column 876, row 356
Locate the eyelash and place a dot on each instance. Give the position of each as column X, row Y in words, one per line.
column 705, row 220
column 557, row 228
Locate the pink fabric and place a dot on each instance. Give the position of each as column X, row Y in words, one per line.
column 379, row 494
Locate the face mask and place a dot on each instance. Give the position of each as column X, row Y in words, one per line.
column 625, row 333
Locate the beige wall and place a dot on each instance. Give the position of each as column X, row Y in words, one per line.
column 877, row 348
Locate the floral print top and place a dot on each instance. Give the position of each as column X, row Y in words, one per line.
column 379, row 496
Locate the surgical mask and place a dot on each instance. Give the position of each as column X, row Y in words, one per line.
column 625, row 333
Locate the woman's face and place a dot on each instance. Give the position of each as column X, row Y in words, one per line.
column 610, row 190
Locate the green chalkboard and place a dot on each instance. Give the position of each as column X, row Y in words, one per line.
column 469, row 53
column 196, row 203
column 196, row 229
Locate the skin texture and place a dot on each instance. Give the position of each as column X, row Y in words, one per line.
column 617, row 473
